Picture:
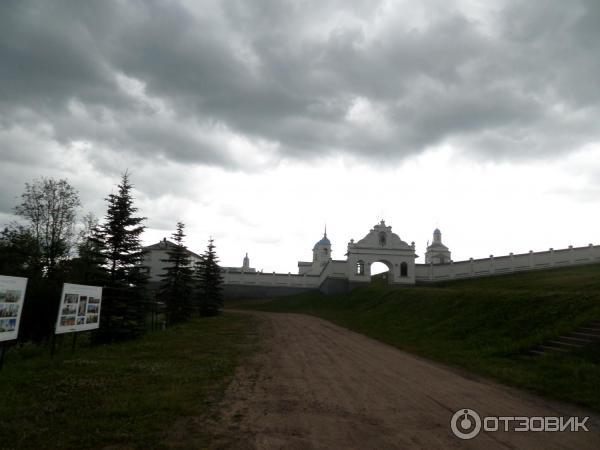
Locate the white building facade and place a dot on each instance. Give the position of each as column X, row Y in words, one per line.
column 155, row 257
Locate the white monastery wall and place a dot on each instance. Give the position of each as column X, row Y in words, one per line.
column 383, row 246
column 511, row 263
column 334, row 269
column 430, row 272
column 270, row 279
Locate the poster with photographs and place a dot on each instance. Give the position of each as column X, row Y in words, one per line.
column 12, row 293
column 79, row 308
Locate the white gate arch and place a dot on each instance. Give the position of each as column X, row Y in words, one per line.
column 381, row 245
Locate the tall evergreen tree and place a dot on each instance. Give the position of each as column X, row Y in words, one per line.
column 177, row 285
column 89, row 267
column 210, row 282
column 121, row 234
column 124, row 307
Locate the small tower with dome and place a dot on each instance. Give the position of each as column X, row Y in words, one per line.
column 321, row 256
column 322, row 250
column 437, row 253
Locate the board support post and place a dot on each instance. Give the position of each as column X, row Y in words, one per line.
column 53, row 345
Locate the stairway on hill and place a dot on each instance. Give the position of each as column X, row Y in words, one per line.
column 581, row 337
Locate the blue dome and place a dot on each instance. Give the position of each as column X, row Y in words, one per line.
column 323, row 242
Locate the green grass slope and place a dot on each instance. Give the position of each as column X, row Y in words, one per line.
column 138, row 394
column 485, row 325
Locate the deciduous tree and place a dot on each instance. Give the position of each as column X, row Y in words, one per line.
column 19, row 252
column 50, row 206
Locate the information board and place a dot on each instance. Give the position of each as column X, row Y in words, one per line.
column 79, row 308
column 12, row 293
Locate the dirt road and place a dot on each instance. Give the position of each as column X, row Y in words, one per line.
column 319, row 386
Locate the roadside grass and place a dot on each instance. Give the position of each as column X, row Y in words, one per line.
column 486, row 325
column 125, row 395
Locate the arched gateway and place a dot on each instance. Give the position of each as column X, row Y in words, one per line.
column 381, row 245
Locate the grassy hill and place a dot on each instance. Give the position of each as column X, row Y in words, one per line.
column 156, row 392
column 485, row 325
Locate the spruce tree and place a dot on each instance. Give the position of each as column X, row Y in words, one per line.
column 177, row 285
column 121, row 232
column 124, row 307
column 210, row 282
column 89, row 267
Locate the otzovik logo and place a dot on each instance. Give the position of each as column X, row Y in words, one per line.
column 465, row 424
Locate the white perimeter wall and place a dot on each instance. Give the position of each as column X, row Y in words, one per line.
column 432, row 273
column 270, row 279
column 507, row 264
column 333, row 269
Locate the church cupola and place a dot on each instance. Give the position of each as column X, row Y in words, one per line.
column 322, row 250
column 437, row 253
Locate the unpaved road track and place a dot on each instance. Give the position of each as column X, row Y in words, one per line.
column 319, row 386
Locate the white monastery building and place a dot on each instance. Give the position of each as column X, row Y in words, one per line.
column 379, row 245
column 154, row 256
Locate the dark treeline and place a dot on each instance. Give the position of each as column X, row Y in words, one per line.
column 48, row 248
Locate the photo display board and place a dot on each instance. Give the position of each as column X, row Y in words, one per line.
column 79, row 308
column 12, row 293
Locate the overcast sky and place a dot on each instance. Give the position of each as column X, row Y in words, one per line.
column 257, row 122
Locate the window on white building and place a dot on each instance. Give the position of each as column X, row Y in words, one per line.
column 403, row 269
column 360, row 268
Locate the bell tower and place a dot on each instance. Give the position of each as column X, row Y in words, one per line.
column 437, row 252
column 322, row 250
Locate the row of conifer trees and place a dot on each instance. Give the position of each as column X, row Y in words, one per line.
column 42, row 247
column 186, row 288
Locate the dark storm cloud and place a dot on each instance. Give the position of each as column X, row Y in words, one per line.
column 172, row 81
